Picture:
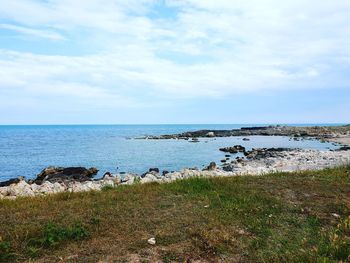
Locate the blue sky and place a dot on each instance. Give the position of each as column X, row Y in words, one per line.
column 174, row 61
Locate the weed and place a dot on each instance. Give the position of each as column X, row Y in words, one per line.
column 169, row 257
column 54, row 235
column 5, row 251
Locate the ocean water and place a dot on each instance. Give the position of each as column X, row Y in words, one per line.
column 26, row 150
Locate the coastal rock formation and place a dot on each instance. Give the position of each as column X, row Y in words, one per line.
column 288, row 161
column 261, row 153
column 344, row 148
column 257, row 161
column 326, row 133
column 9, row 182
column 60, row 174
column 234, row 149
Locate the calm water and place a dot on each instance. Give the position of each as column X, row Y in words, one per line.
column 26, row 150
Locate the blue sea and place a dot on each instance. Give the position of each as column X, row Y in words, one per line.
column 26, row 150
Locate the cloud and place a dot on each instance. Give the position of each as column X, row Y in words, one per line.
column 33, row 32
column 202, row 49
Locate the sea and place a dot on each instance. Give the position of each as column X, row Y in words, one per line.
column 25, row 150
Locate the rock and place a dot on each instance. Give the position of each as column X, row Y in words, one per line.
column 57, row 188
column 211, row 167
column 60, row 174
column 263, row 153
column 4, row 191
column 229, row 167
column 107, row 175
column 165, row 172
column 239, row 160
column 128, row 179
column 234, row 149
column 20, row 189
column 85, row 186
column 108, row 178
column 210, row 134
column 9, row 182
column 156, row 170
column 344, row 148
column 43, row 189
column 151, row 241
column 335, row 215
column 149, row 178
column 172, row 176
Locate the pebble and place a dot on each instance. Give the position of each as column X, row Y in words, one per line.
column 151, row 241
column 336, row 215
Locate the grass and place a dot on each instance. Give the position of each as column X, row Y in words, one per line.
column 297, row 217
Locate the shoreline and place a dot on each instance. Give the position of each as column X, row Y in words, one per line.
column 255, row 162
column 53, row 180
column 338, row 134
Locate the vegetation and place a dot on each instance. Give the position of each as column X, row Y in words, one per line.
column 297, row 217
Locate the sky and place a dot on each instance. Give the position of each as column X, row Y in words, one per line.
column 174, row 61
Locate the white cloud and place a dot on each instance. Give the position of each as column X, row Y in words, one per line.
column 210, row 48
column 33, row 32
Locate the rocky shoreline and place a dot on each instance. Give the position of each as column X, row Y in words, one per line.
column 255, row 162
column 237, row 161
column 339, row 134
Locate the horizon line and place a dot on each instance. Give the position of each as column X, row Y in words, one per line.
column 150, row 124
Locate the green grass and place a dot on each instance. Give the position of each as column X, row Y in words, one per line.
column 278, row 217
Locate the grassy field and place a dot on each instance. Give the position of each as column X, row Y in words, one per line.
column 299, row 217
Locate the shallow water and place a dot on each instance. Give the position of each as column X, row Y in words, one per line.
column 26, row 150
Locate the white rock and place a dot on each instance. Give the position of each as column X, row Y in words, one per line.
column 107, row 183
column 151, row 241
column 210, row 134
column 45, row 188
column 128, row 179
column 173, row 176
column 4, row 191
column 117, row 180
column 90, row 185
column 149, row 178
column 114, row 178
column 20, row 189
column 336, row 215
column 57, row 188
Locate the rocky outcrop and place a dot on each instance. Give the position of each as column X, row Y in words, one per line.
column 61, row 175
column 9, row 182
column 276, row 160
column 319, row 132
column 261, row 153
column 234, row 149
column 344, row 148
